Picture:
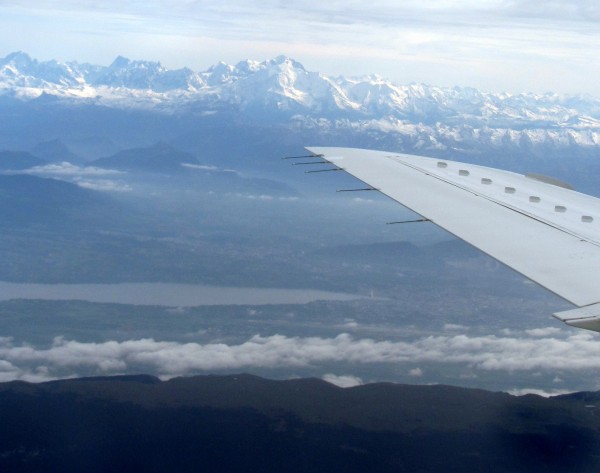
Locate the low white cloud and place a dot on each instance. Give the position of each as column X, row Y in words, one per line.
column 67, row 169
column 88, row 177
column 488, row 353
column 344, row 381
column 454, row 327
column 201, row 167
column 105, row 185
column 10, row 372
column 416, row 372
column 352, row 324
column 255, row 197
column 543, row 332
column 537, row 392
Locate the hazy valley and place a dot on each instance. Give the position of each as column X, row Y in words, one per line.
column 132, row 173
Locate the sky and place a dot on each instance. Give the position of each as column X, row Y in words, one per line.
column 495, row 45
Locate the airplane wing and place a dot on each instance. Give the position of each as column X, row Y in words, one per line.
column 535, row 225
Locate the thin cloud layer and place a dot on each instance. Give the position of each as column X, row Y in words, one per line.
column 551, row 45
column 489, row 353
column 88, row 177
column 68, row 169
column 104, row 185
column 332, row 11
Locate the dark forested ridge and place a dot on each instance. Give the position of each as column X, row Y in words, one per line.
column 246, row 423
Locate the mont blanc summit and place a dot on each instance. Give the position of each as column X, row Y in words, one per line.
column 413, row 118
column 283, row 83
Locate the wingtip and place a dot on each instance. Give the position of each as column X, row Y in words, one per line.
column 587, row 317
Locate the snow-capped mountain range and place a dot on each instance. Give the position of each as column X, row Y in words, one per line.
column 283, row 88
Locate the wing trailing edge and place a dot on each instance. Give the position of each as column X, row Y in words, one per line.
column 540, row 228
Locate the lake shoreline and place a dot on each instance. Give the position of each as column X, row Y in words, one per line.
column 167, row 294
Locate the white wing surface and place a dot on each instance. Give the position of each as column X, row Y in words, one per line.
column 548, row 233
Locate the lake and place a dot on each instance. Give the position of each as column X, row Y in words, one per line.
column 166, row 294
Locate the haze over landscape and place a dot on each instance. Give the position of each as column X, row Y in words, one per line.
column 192, row 191
column 148, row 225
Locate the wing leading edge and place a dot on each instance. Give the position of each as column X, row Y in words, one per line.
column 548, row 233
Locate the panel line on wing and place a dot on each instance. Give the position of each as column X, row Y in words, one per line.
column 491, row 199
column 558, row 260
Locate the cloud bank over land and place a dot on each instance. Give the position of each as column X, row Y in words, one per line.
column 88, row 177
column 580, row 351
column 68, row 169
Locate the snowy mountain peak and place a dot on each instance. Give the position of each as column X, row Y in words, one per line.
column 281, row 84
column 282, row 87
column 123, row 63
column 20, row 70
column 219, row 73
column 119, row 63
column 146, row 75
column 247, row 67
column 285, row 61
column 19, row 59
column 131, row 74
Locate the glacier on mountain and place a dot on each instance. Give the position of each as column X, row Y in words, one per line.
column 282, row 88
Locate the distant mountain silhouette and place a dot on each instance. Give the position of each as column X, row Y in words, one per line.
column 18, row 160
column 55, row 151
column 160, row 158
column 93, row 147
column 28, row 199
column 163, row 159
column 246, row 423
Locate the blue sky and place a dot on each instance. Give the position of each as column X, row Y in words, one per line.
column 499, row 45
